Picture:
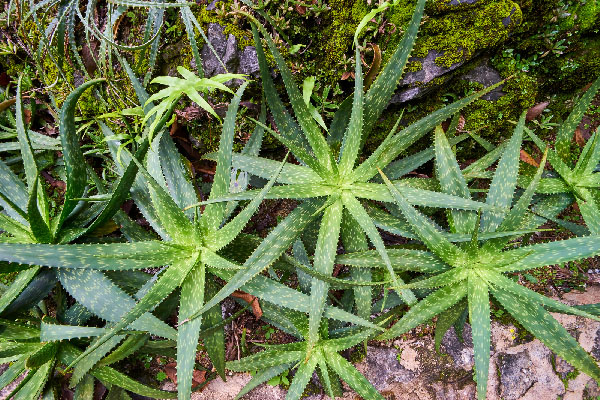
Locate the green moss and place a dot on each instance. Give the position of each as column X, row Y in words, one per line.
column 231, row 25
column 337, row 36
column 459, row 35
column 583, row 15
column 8, row 278
column 589, row 15
column 575, row 69
column 413, row 66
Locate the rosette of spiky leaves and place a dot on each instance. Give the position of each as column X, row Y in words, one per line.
column 322, row 175
column 30, row 345
column 27, row 221
column 581, row 183
column 190, row 252
column 26, row 216
column 476, row 269
column 322, row 357
column 191, row 85
column 61, row 42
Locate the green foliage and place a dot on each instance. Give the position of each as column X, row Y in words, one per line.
column 474, row 270
column 192, row 86
column 582, row 182
column 343, row 196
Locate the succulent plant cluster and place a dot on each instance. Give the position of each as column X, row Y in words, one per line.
column 106, row 307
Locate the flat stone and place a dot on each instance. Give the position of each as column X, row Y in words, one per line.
column 515, row 374
column 506, row 21
column 383, row 367
column 461, row 352
column 10, row 387
column 486, row 76
column 413, row 370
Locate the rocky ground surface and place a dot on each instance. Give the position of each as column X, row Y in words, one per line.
column 520, row 368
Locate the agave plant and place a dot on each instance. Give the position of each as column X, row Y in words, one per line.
column 465, row 274
column 580, row 184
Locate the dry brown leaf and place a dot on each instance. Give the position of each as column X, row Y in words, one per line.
column 198, row 377
column 536, row 110
column 579, row 139
column 461, row 123
column 375, row 66
column 525, row 157
column 347, row 74
column 253, row 300
column 27, row 116
column 7, row 103
column 586, row 87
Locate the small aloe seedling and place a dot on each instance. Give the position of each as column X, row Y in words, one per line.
column 190, row 85
column 472, row 271
column 580, row 184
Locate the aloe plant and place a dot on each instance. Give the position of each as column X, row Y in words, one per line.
column 306, row 358
column 26, row 219
column 472, row 271
column 27, row 208
column 191, row 85
column 190, row 251
column 581, row 183
column 29, row 344
column 333, row 182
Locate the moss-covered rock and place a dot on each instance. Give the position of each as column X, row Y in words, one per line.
column 454, row 34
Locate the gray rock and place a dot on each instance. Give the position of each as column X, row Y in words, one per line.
column 212, row 5
column 10, row 387
column 461, row 353
column 212, row 65
column 596, row 348
column 78, row 79
column 516, row 375
column 517, row 371
column 249, row 61
column 384, row 369
column 414, row 84
column 487, row 76
column 508, row 20
column 226, row 48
